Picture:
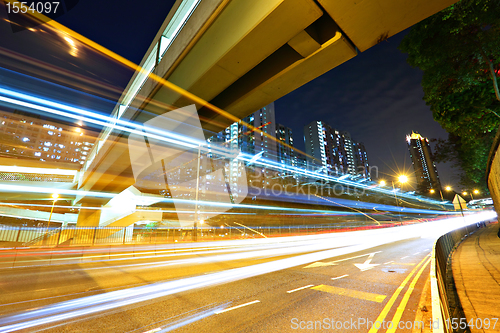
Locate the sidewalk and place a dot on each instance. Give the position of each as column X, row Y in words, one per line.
column 476, row 270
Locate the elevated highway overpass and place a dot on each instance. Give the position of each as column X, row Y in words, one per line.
column 232, row 57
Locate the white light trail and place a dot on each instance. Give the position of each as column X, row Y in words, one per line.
column 170, row 137
column 44, row 171
column 91, row 305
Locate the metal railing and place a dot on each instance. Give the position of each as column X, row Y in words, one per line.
column 89, row 236
column 445, row 302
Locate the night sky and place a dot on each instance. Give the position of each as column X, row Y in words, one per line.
column 376, row 96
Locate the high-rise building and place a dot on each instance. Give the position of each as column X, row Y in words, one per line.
column 254, row 142
column 423, row 163
column 361, row 160
column 251, row 141
column 334, row 152
column 28, row 136
column 321, row 143
column 284, row 143
column 347, row 153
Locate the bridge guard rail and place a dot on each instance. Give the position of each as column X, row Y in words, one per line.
column 445, row 302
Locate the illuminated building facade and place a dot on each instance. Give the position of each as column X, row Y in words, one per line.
column 284, row 141
column 26, row 136
column 332, row 152
column 361, row 160
column 321, row 147
column 346, row 154
column 253, row 142
column 421, row 157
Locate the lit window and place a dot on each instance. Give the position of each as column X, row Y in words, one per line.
column 38, row 153
column 47, row 143
column 26, row 139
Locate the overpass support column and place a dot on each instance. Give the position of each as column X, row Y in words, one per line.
column 89, row 216
column 87, row 223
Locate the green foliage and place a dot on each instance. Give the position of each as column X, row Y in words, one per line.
column 458, row 50
column 151, row 227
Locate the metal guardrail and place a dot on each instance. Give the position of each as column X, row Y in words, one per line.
column 89, row 236
column 445, row 302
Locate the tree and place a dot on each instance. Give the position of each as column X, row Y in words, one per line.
column 470, row 157
column 458, row 51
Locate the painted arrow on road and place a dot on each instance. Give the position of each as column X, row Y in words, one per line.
column 366, row 265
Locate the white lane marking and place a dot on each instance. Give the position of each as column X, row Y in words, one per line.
column 305, row 287
column 340, row 277
column 385, row 263
column 319, row 264
column 404, row 257
column 416, row 253
column 237, row 306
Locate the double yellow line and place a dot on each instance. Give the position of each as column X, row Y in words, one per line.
column 402, row 305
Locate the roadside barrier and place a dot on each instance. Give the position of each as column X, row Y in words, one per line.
column 446, row 308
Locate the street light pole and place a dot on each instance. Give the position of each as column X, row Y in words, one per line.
column 195, row 227
column 396, row 198
column 55, row 196
column 46, row 235
column 401, row 179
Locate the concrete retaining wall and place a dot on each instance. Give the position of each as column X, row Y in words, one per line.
column 493, row 172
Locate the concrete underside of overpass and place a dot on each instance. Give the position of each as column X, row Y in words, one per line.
column 240, row 55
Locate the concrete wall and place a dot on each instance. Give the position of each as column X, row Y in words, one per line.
column 493, row 172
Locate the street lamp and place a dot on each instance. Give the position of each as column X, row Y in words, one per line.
column 402, row 179
column 448, row 188
column 382, row 183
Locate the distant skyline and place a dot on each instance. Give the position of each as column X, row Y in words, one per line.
column 376, row 96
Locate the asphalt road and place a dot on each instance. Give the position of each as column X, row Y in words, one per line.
column 269, row 285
